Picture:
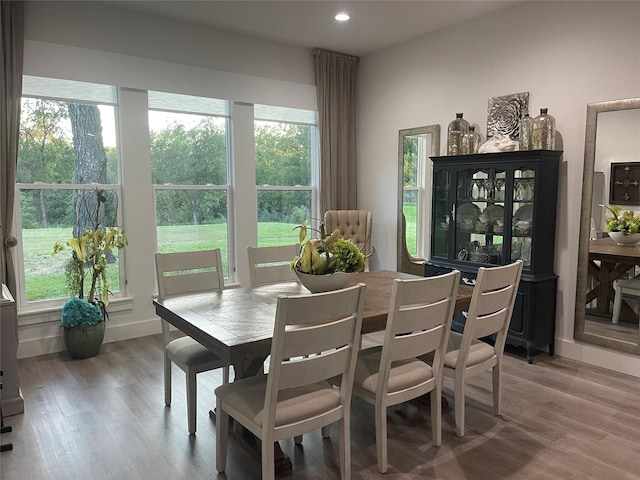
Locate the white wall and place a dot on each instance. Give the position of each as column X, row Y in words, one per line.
column 565, row 54
column 106, row 27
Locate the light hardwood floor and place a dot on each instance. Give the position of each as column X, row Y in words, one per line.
column 104, row 418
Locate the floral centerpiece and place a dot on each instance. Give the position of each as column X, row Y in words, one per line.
column 86, row 276
column 623, row 226
column 328, row 255
column 627, row 222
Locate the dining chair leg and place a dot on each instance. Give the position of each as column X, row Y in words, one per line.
column 345, row 447
column 326, row 431
column 167, row 380
column 617, row 302
column 459, row 404
column 191, row 401
column 225, row 374
column 268, row 460
column 497, row 389
column 436, row 416
column 222, row 432
column 381, row 437
column 298, row 439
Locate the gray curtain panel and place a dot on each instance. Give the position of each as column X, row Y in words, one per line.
column 12, row 43
column 336, row 87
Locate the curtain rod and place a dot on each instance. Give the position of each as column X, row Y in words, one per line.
column 316, row 51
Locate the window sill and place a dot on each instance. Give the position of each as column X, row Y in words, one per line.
column 50, row 313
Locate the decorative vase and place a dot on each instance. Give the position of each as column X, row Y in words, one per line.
column 84, row 341
column 457, row 128
column 471, row 141
column 543, row 132
column 621, row 239
column 524, row 136
column 324, row 283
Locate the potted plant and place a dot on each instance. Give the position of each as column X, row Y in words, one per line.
column 83, row 315
column 623, row 227
column 326, row 263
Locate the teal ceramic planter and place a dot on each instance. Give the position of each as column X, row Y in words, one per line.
column 84, row 341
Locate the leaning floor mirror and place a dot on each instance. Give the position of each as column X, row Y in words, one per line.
column 415, row 147
column 607, row 309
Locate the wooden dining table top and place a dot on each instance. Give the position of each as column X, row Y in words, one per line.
column 237, row 323
column 606, row 248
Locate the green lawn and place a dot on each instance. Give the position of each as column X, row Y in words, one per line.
column 44, row 273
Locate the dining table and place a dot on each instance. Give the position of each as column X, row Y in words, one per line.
column 237, row 323
column 609, row 261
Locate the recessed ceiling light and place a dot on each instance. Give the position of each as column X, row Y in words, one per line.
column 342, row 17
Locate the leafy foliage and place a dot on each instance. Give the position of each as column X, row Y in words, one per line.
column 627, row 222
column 327, row 254
column 89, row 256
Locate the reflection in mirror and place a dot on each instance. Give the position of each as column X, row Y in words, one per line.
column 612, row 139
column 415, row 147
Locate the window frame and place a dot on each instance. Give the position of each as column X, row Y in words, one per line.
column 228, row 187
column 314, row 186
column 23, row 305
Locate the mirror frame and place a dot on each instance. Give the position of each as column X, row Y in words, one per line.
column 585, row 223
column 434, row 130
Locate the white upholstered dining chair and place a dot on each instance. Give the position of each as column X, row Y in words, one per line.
column 354, row 225
column 623, row 286
column 492, row 301
column 420, row 315
column 182, row 273
column 271, row 264
column 315, row 338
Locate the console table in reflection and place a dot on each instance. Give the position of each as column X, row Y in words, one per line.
column 609, row 261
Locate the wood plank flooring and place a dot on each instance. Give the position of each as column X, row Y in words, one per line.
column 104, row 418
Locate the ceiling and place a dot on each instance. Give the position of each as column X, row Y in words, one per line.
column 374, row 25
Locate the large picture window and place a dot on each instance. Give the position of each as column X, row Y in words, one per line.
column 190, row 164
column 68, row 141
column 286, row 141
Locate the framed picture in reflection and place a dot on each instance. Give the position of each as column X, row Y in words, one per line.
column 624, row 188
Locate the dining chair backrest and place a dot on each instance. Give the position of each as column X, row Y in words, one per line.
column 354, row 225
column 189, row 272
column 420, row 315
column 316, row 337
column 271, row 264
column 492, row 302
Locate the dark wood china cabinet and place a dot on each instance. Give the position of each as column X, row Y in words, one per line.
column 492, row 209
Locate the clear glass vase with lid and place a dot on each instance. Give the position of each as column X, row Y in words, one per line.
column 526, row 131
column 457, row 128
column 470, row 141
column 543, row 132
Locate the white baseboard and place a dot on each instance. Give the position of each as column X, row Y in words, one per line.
column 113, row 333
column 621, row 362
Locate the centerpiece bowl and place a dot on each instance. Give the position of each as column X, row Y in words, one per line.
column 324, row 283
column 621, row 239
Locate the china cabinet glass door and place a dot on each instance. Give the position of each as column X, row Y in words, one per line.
column 480, row 215
column 442, row 219
column 522, row 221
